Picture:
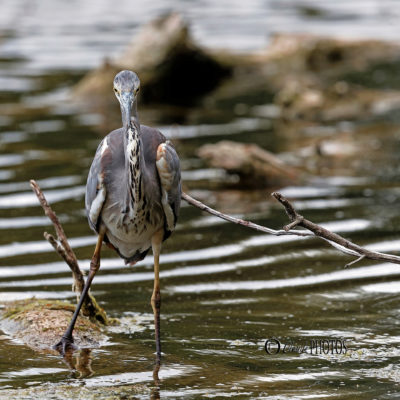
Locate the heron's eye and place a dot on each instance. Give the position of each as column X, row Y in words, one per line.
column 115, row 90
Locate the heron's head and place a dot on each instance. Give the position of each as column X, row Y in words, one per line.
column 126, row 88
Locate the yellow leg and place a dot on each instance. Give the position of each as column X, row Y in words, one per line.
column 67, row 340
column 156, row 241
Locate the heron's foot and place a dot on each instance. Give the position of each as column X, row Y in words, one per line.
column 65, row 344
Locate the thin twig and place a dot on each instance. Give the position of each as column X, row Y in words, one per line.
column 354, row 261
column 293, row 224
column 313, row 230
column 78, row 274
column 54, row 219
column 68, row 258
column 329, row 236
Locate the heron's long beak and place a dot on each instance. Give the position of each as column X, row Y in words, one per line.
column 126, row 101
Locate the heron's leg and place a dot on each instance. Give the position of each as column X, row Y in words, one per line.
column 156, row 241
column 67, row 340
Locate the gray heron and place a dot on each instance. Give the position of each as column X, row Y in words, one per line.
column 133, row 195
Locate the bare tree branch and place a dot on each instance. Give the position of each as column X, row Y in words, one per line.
column 62, row 247
column 313, row 230
column 332, row 237
column 70, row 259
column 239, row 221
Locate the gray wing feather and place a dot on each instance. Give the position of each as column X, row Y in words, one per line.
column 169, row 172
column 93, row 185
column 175, row 193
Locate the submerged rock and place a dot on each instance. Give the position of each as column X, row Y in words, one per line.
column 41, row 323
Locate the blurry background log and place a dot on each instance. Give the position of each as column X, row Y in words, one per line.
column 305, row 75
column 171, row 67
column 255, row 166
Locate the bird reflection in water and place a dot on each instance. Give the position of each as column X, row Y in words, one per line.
column 80, row 364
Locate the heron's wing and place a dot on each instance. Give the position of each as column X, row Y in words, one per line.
column 95, row 188
column 169, row 172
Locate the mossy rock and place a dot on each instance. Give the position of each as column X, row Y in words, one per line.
column 61, row 392
column 41, row 323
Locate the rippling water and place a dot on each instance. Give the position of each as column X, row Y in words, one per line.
column 225, row 289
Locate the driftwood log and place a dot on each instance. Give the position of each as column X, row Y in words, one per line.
column 307, row 76
column 175, row 70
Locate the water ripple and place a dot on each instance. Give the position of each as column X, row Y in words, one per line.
column 15, row 249
column 47, row 183
column 167, row 371
column 234, row 127
column 28, row 199
column 375, row 271
column 23, row 222
column 28, row 294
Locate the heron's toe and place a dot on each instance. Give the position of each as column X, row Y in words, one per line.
column 64, row 345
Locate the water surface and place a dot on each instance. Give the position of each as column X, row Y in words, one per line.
column 225, row 289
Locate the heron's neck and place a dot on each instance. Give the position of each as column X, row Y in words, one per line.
column 133, row 167
column 134, row 115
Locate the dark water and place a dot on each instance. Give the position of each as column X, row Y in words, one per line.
column 225, row 289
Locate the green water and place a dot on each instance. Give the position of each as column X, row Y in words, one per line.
column 225, row 289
